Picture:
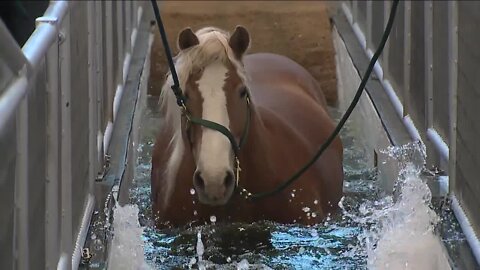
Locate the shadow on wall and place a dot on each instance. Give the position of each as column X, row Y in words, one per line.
column 19, row 17
column 300, row 30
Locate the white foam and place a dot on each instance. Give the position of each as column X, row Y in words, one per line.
column 127, row 250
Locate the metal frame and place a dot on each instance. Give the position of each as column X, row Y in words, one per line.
column 443, row 148
column 49, row 49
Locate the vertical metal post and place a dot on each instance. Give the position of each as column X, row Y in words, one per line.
column 110, row 87
column 92, row 95
column 120, row 41
column 369, row 30
column 452, row 88
column 66, row 230
column 100, row 84
column 429, row 63
column 52, row 225
column 386, row 49
column 129, row 25
column 407, row 36
column 21, row 227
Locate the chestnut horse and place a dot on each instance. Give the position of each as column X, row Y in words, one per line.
column 193, row 167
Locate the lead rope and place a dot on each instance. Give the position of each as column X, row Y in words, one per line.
column 212, row 125
column 348, row 112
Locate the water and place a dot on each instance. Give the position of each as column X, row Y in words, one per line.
column 373, row 231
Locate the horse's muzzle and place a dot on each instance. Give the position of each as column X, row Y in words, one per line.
column 214, row 191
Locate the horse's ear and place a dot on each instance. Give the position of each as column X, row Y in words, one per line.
column 187, row 39
column 239, row 41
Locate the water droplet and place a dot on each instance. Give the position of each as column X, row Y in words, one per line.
column 192, row 191
column 314, row 215
column 229, row 260
column 306, row 209
column 213, row 219
column 93, row 236
column 195, row 212
column 301, row 250
column 192, row 262
column 293, row 195
column 98, row 245
column 315, row 202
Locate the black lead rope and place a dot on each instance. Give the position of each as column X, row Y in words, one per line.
column 176, row 84
column 180, row 100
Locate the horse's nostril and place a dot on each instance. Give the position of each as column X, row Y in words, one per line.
column 198, row 181
column 229, row 179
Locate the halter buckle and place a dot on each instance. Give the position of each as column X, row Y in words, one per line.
column 185, row 111
column 238, row 169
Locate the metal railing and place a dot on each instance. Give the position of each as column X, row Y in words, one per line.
column 428, row 70
column 59, row 96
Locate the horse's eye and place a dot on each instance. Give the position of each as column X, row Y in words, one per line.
column 243, row 93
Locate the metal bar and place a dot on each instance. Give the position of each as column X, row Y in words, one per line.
column 128, row 27
column 438, row 143
column 82, row 234
column 408, row 53
column 100, row 73
column 452, row 87
column 429, row 62
column 92, row 94
column 11, row 98
column 467, row 229
column 46, row 32
column 109, row 69
column 120, row 42
column 66, row 230
column 52, row 225
column 386, row 50
column 21, row 226
column 369, row 35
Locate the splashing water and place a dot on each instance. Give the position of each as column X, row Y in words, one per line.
column 127, row 245
column 402, row 235
column 373, row 231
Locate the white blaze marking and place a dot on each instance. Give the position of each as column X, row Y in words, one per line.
column 215, row 150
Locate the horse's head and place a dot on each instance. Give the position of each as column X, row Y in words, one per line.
column 213, row 81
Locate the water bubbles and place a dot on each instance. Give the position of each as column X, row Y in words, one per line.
column 306, row 209
column 192, row 262
column 314, row 215
column 243, row 265
column 292, row 194
column 301, row 250
column 98, row 245
column 195, row 212
column 229, row 260
column 213, row 219
column 200, row 246
column 192, row 191
column 93, row 236
column 315, row 202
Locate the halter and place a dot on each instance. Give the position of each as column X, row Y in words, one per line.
column 236, row 148
column 222, row 129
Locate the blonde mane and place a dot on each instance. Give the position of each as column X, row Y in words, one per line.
column 213, row 46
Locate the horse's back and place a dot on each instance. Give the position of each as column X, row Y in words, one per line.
column 263, row 67
column 285, row 88
column 294, row 100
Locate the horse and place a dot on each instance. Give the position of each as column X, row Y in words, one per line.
column 193, row 177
